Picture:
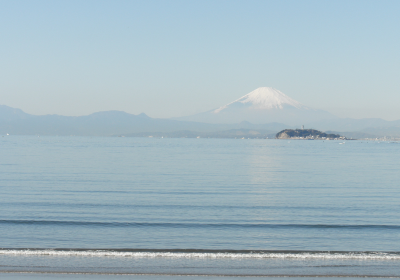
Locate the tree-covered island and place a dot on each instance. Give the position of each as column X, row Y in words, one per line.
column 308, row 134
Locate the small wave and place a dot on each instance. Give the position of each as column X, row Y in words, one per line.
column 210, row 254
column 198, row 225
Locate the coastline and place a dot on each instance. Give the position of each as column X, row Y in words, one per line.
column 138, row 276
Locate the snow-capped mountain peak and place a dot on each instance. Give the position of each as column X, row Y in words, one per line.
column 261, row 106
column 265, row 98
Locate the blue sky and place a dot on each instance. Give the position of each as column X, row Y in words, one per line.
column 175, row 58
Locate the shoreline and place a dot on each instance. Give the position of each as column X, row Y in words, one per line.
column 188, row 275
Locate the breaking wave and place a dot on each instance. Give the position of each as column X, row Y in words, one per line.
column 213, row 254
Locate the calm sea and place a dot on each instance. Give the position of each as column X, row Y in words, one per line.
column 207, row 207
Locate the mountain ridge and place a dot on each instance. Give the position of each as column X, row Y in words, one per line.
column 113, row 123
column 106, row 123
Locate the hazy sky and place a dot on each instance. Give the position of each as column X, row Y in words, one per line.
column 174, row 58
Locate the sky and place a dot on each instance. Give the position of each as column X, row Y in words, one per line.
column 176, row 58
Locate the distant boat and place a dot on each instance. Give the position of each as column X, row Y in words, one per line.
column 8, row 134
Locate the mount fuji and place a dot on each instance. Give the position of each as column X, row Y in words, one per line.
column 263, row 105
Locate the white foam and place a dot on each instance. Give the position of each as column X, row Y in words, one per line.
column 267, row 255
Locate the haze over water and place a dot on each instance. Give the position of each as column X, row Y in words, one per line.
column 218, row 206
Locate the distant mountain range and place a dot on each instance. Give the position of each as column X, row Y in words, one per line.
column 260, row 114
column 115, row 123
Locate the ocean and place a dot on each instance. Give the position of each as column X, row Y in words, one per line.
column 161, row 208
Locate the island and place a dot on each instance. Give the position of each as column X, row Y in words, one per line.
column 307, row 134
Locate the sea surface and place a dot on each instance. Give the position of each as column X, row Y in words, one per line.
column 154, row 208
